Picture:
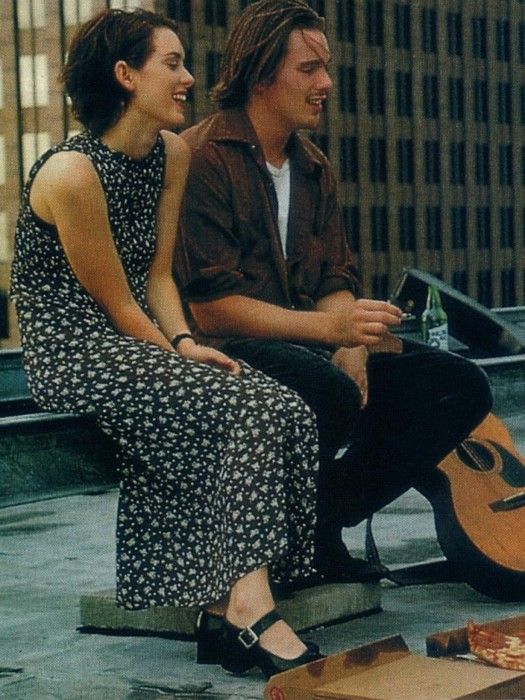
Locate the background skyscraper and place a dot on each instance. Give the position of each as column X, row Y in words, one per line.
column 425, row 127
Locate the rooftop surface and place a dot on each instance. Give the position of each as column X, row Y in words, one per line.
column 53, row 551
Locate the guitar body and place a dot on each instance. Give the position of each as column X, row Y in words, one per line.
column 479, row 511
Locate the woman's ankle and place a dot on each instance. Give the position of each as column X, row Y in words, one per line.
column 243, row 612
column 250, row 598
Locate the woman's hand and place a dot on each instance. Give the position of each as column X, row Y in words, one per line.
column 190, row 350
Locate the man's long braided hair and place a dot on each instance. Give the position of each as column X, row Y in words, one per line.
column 257, row 44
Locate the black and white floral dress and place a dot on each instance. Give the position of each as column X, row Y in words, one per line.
column 218, row 472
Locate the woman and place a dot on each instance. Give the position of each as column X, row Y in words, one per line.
column 218, row 463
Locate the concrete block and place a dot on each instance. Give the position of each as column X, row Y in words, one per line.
column 312, row 607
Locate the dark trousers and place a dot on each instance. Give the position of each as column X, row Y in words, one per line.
column 421, row 404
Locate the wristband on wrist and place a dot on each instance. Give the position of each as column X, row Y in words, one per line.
column 180, row 336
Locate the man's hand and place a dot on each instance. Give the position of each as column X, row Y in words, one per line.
column 363, row 322
column 209, row 356
column 352, row 361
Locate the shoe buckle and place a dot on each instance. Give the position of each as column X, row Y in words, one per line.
column 247, row 637
column 198, row 622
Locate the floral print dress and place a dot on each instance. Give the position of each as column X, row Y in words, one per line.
column 218, row 472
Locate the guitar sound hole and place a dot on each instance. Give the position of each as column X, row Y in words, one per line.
column 475, row 456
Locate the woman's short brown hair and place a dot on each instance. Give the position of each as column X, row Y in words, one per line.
column 98, row 100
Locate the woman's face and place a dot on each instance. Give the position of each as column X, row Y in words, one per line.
column 160, row 87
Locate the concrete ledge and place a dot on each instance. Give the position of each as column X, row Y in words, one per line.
column 42, row 454
column 311, row 607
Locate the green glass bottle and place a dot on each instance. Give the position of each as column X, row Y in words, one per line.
column 434, row 321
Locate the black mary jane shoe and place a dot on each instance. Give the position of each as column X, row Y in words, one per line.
column 208, row 633
column 241, row 649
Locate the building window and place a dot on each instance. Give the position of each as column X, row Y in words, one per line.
column 5, row 252
column 403, row 94
column 215, row 12
column 428, row 30
column 179, row 10
column 345, row 20
column 458, row 225
column 407, row 228
column 503, row 40
column 348, row 158
column 352, row 224
column 3, row 172
column 31, row 14
column 505, row 164
column 460, row 281
column 456, row 99
column 479, row 37
column 402, row 26
column 482, row 164
column 432, row 163
column 508, row 287
column 213, row 66
column 506, row 216
column 377, row 159
column 483, row 228
column 379, row 229
column 34, row 83
column 523, row 165
column 380, row 287
column 433, row 228
column 405, row 160
column 430, row 96
column 454, row 33
column 76, row 12
column 374, row 22
column 376, row 91
column 481, row 101
column 33, row 145
column 347, row 89
column 504, row 103
column 457, row 163
column 521, row 41
column 485, row 287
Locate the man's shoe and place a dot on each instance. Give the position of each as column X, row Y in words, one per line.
column 335, row 564
column 351, row 570
column 333, row 560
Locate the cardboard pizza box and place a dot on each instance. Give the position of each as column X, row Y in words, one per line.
column 455, row 641
column 387, row 670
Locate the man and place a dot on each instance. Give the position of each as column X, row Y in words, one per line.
column 265, row 270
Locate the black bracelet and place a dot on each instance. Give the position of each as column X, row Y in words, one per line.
column 181, row 336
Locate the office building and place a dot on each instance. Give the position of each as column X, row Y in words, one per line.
column 425, row 127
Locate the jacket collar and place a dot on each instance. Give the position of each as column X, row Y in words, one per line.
column 235, row 125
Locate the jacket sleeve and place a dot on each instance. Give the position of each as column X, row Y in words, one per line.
column 208, row 251
column 338, row 271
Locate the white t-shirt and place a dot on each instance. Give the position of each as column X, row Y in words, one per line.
column 281, row 181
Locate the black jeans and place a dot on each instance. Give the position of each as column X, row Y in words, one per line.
column 421, row 404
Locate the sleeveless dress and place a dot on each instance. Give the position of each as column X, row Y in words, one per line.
column 218, row 472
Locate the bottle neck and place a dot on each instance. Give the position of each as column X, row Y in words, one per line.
column 433, row 298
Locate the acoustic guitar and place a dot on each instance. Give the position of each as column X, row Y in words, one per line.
column 479, row 511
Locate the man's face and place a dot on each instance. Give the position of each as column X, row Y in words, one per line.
column 301, row 83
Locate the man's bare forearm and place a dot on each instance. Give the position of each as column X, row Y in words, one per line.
column 354, row 322
column 246, row 317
